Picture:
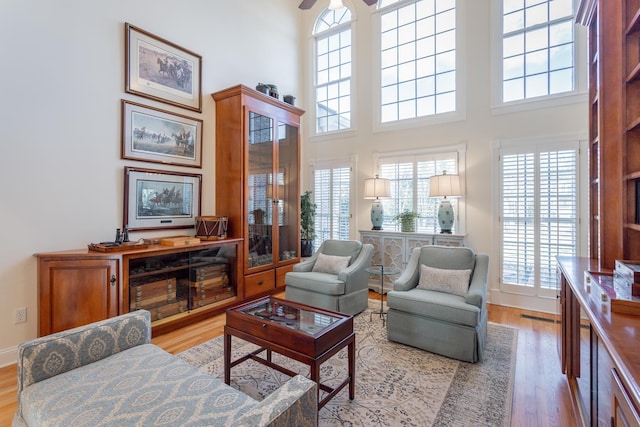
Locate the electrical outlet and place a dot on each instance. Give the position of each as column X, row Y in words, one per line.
column 20, row 315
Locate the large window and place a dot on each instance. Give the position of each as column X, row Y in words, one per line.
column 417, row 58
column 538, row 214
column 409, row 176
column 537, row 48
column 333, row 70
column 332, row 195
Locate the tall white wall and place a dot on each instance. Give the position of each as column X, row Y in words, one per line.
column 61, row 84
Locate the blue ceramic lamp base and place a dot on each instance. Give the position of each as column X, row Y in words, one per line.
column 445, row 216
column 377, row 214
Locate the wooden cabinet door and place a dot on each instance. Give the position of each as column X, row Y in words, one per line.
column 624, row 411
column 75, row 292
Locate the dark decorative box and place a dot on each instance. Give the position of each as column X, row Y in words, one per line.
column 211, row 227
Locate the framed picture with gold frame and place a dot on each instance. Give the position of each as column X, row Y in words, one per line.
column 159, row 69
column 153, row 135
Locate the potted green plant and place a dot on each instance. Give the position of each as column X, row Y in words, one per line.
column 307, row 224
column 407, row 220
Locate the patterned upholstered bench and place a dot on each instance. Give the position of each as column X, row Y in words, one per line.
column 109, row 374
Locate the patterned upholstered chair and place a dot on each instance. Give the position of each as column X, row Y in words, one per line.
column 438, row 303
column 334, row 278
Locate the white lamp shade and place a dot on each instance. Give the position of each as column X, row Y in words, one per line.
column 376, row 187
column 445, row 186
column 335, row 4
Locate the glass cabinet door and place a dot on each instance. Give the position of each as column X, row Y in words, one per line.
column 288, row 185
column 260, row 190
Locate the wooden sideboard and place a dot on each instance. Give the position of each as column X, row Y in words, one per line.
column 177, row 284
column 599, row 350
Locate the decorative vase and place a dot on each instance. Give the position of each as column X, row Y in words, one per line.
column 408, row 225
column 377, row 214
column 306, row 248
column 445, row 216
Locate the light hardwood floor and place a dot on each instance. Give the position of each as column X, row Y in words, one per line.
column 540, row 398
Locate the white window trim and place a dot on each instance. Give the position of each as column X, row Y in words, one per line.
column 520, row 296
column 460, row 149
column 577, row 96
column 312, row 135
column 461, row 75
column 332, row 163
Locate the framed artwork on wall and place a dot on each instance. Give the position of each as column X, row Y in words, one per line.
column 153, row 135
column 159, row 69
column 155, row 199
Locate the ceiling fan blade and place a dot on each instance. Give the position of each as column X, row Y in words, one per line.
column 308, row 4
column 370, row 2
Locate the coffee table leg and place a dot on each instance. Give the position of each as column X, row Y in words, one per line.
column 314, row 371
column 352, row 369
column 227, row 358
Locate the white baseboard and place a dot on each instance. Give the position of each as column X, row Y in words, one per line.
column 8, row 356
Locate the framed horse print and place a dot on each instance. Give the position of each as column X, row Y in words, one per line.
column 153, row 135
column 159, row 69
column 155, row 199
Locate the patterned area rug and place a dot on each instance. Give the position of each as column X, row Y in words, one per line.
column 396, row 385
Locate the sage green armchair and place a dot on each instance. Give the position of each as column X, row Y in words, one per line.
column 334, row 278
column 441, row 307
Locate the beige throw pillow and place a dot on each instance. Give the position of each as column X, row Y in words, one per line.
column 332, row 264
column 450, row 281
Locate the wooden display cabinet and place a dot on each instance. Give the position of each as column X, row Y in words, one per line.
column 177, row 284
column 614, row 127
column 258, row 183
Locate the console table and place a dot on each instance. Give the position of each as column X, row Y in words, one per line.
column 393, row 248
column 598, row 349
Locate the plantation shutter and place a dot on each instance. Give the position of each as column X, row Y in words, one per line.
column 332, row 195
column 518, row 213
column 558, row 211
column 538, row 214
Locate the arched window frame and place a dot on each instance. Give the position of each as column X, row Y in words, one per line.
column 340, row 91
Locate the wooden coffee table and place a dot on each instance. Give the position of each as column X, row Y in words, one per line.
column 307, row 334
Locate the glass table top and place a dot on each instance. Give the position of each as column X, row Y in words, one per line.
column 387, row 271
column 294, row 317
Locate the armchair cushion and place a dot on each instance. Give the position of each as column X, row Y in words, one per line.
column 436, row 305
column 332, row 264
column 323, row 283
column 450, row 281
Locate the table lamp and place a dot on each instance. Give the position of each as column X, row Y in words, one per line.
column 445, row 186
column 374, row 188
